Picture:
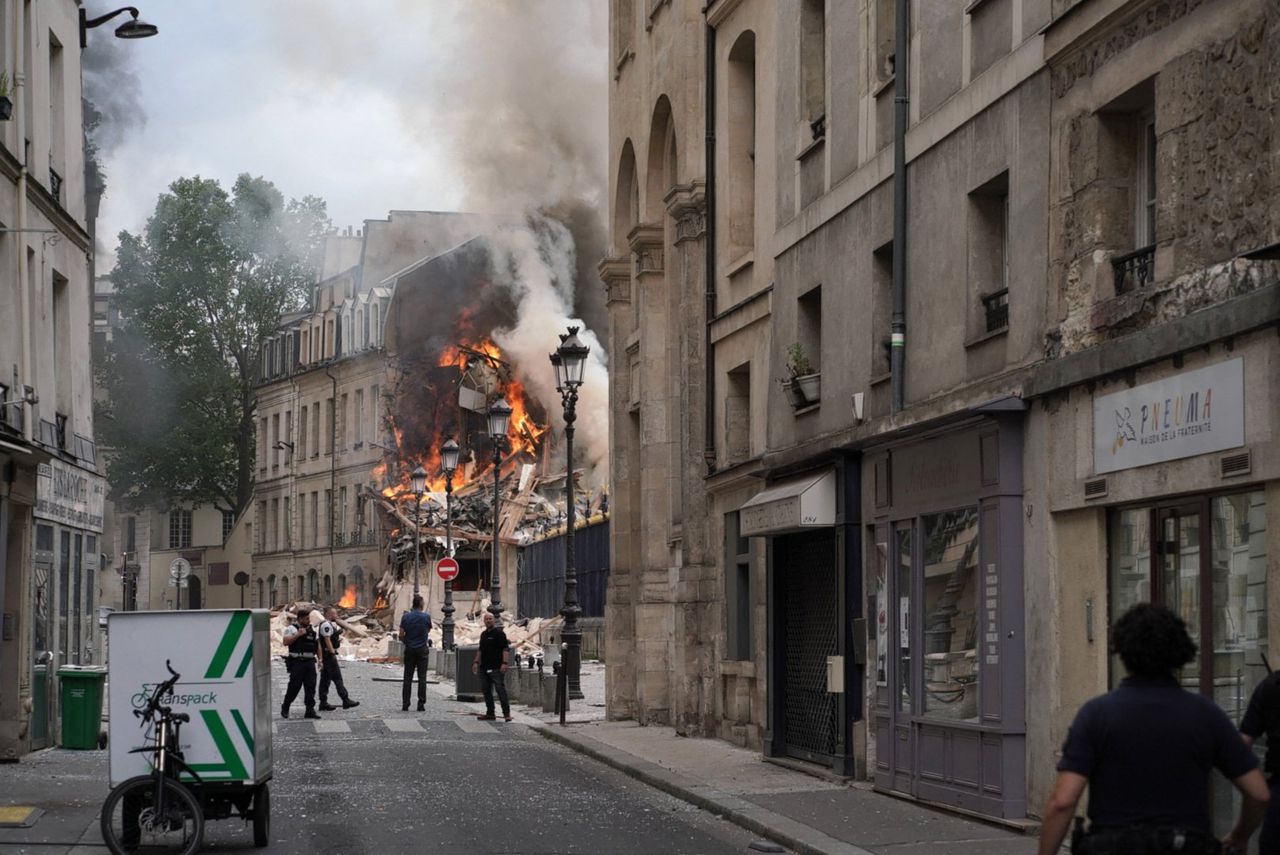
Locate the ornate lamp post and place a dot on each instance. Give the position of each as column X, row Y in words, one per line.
column 570, row 363
column 449, row 463
column 419, row 484
column 499, row 418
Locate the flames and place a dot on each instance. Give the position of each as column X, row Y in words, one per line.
column 348, row 600
column 479, row 364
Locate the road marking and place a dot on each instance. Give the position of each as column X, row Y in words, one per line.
column 402, row 725
column 471, row 725
column 335, row 726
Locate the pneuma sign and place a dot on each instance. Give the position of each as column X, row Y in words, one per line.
column 1192, row 413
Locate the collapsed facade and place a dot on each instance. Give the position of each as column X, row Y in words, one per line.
column 900, row 420
column 395, row 355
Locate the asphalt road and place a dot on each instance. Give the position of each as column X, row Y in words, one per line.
column 377, row 780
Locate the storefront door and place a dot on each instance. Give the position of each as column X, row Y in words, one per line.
column 810, row 600
column 1204, row 558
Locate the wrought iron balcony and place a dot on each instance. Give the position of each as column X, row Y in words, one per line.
column 1134, row 269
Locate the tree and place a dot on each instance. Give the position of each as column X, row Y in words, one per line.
column 199, row 290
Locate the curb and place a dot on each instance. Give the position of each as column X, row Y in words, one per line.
column 774, row 826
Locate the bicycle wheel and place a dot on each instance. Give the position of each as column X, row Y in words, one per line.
column 139, row 817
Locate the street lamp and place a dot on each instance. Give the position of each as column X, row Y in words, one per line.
column 449, row 463
column 134, row 29
column 418, row 481
column 499, row 419
column 570, row 364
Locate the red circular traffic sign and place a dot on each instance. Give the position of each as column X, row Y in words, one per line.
column 447, row 568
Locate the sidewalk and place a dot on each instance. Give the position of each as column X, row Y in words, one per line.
column 804, row 813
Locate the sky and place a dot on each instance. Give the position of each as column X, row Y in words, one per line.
column 373, row 106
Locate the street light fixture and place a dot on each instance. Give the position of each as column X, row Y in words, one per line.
column 134, row 29
column 449, row 463
column 570, row 364
column 499, row 417
column 418, row 481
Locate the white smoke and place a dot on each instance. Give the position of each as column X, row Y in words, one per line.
column 536, row 263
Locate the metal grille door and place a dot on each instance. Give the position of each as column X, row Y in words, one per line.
column 807, row 581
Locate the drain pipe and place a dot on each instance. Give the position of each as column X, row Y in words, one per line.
column 333, row 457
column 708, row 353
column 26, row 313
column 898, row 323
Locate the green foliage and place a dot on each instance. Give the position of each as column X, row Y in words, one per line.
column 198, row 292
column 797, row 363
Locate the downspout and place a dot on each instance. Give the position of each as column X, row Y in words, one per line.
column 898, row 323
column 26, row 316
column 709, row 354
column 333, row 456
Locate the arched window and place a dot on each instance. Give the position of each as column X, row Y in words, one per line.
column 313, row 586
column 342, row 582
column 328, row 587
column 377, row 327
column 284, row 590
column 740, row 151
column 261, row 602
column 626, row 206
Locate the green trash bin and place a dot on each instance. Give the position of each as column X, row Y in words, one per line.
column 81, row 704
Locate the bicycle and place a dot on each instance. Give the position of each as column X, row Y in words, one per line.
column 156, row 812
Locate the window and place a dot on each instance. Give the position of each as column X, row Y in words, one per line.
column 179, row 528
column 288, row 524
column 358, row 419
column 262, row 526
column 264, row 435
column 228, row 523
column 989, row 255
column 882, row 313
column 813, row 65
column 62, row 340
column 624, row 24
column 288, row 436
column 57, row 111
column 328, row 515
column 344, row 437
column 886, row 42
column 330, row 424
column 738, row 594
column 737, row 414
column 328, row 587
column 809, row 326
column 315, row 429
column 315, row 519
column 951, row 624
column 275, row 525
column 342, row 514
column 302, row 431
column 740, row 152
column 275, row 441
column 131, row 535
column 1144, row 231
column 374, row 405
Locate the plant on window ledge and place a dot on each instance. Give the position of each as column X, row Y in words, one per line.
column 805, row 385
column 6, row 105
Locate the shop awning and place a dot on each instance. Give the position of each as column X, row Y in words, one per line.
column 792, row 505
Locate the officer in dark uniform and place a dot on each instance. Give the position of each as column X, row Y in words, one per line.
column 1263, row 719
column 302, row 662
column 330, row 670
column 1146, row 752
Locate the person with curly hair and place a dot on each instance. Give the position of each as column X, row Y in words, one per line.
column 1146, row 752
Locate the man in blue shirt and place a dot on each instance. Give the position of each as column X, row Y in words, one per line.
column 414, row 626
column 1146, row 752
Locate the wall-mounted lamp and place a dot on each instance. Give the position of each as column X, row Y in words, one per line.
column 134, row 29
column 857, row 406
column 281, row 445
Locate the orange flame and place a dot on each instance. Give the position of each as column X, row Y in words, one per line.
column 348, row 600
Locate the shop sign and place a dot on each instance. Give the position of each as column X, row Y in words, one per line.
column 1195, row 412
column 70, row 495
column 795, row 505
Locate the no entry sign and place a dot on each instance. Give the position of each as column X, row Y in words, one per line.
column 447, row 568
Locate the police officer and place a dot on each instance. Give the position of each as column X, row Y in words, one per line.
column 330, row 671
column 304, row 658
column 1146, row 752
column 1263, row 719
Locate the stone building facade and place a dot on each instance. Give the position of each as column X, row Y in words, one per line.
column 51, row 489
column 1087, row 223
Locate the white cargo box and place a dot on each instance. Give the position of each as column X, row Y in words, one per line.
column 224, row 658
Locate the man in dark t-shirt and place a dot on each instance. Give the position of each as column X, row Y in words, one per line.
column 492, row 658
column 1146, row 752
column 414, row 628
column 1262, row 718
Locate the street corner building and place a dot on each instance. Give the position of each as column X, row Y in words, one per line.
column 941, row 334
column 51, row 487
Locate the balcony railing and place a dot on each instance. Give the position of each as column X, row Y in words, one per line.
column 1134, row 269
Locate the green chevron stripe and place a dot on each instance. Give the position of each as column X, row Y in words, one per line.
column 244, row 729
column 227, row 646
column 230, row 757
column 246, row 661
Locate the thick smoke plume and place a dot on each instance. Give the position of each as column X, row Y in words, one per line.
column 111, row 83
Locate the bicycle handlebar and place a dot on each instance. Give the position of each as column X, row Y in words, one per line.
column 153, row 705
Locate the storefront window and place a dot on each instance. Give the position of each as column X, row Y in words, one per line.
column 1238, row 560
column 902, row 586
column 1130, row 546
column 950, row 615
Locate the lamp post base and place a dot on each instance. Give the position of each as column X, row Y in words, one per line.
column 572, row 658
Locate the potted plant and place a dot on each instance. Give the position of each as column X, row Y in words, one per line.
column 6, row 105
column 803, row 377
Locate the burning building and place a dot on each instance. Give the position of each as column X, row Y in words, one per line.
column 416, row 329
